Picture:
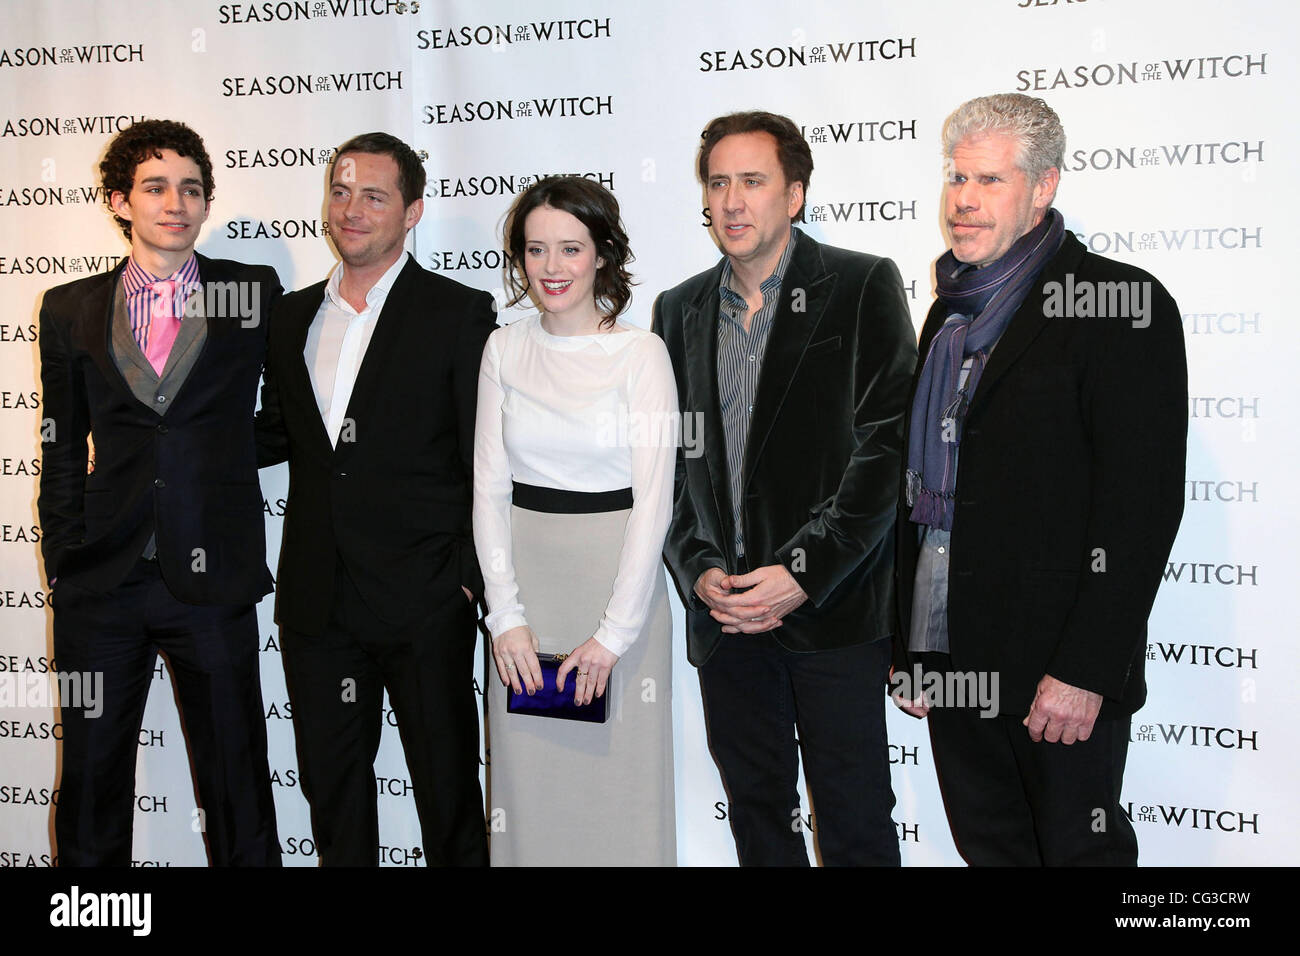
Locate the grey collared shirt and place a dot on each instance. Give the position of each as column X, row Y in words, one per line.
column 740, row 360
column 930, row 591
column 930, row 586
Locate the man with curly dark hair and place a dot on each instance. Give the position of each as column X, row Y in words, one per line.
column 141, row 141
column 160, row 547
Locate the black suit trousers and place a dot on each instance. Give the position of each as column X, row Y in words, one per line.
column 213, row 653
column 755, row 695
column 1013, row 802
column 336, row 682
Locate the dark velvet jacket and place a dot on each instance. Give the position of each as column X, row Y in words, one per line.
column 822, row 456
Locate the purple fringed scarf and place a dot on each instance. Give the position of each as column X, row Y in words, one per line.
column 980, row 303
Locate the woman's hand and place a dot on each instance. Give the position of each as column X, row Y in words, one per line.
column 515, row 652
column 593, row 662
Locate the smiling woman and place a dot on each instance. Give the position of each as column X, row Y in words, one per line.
column 567, row 228
column 569, row 523
column 560, row 261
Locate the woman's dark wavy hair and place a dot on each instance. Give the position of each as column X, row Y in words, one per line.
column 145, row 140
column 596, row 208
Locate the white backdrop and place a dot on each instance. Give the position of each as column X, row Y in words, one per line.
column 1180, row 136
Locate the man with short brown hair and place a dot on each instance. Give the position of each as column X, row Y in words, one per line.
column 372, row 389
column 796, row 357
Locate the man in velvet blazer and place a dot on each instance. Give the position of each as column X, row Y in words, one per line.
column 1068, row 493
column 161, row 546
column 794, row 357
column 371, row 396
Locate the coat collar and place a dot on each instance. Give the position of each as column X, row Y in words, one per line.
column 99, row 327
column 804, row 295
column 700, row 337
column 1029, row 321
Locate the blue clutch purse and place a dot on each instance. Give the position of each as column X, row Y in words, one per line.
column 548, row 702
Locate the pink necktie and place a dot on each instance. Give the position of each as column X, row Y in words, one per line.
column 163, row 325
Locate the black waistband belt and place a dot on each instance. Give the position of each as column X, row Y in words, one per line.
column 559, row 502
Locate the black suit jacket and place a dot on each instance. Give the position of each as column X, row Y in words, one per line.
column 190, row 477
column 822, row 456
column 394, row 503
column 1069, row 493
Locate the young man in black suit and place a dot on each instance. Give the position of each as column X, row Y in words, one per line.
column 160, row 548
column 796, row 356
column 1045, row 455
column 372, row 386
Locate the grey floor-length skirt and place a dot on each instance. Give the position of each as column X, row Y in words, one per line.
column 569, row 793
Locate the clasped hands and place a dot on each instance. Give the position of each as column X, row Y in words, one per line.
column 515, row 653
column 750, row 603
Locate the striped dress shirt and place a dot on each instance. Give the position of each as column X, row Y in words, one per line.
column 137, row 289
column 740, row 360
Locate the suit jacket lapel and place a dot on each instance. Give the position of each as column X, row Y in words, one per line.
column 383, row 339
column 700, row 333
column 807, row 280
column 297, row 385
column 1029, row 321
column 121, row 342
column 99, row 328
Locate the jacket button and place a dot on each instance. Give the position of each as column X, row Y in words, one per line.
column 162, row 429
column 159, row 483
column 161, row 399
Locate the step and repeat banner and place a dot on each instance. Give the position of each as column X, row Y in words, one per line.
column 1180, row 134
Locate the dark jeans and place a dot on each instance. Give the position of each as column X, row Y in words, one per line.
column 755, row 695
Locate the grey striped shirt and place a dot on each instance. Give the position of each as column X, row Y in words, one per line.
column 740, row 360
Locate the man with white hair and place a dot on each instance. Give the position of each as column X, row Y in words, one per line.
column 1045, row 457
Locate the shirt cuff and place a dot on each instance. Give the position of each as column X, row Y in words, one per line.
column 613, row 642
column 501, row 621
